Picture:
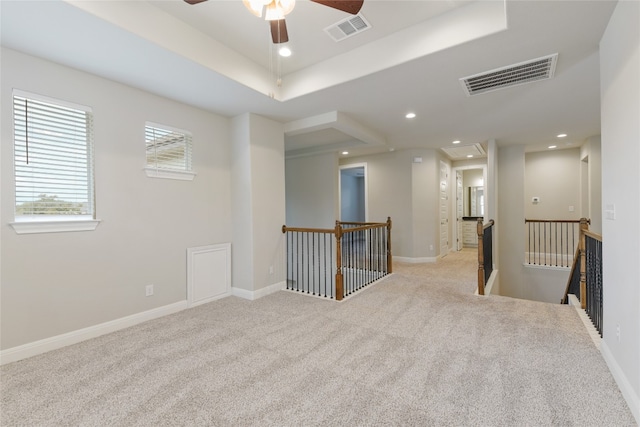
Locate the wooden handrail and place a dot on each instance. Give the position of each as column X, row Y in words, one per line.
column 308, row 230
column 593, row 235
column 339, row 231
column 480, row 230
column 584, row 226
column 554, row 220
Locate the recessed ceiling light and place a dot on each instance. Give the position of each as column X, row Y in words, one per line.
column 456, row 142
column 552, row 146
column 562, row 135
column 345, row 153
column 469, row 156
column 284, row 51
column 410, row 115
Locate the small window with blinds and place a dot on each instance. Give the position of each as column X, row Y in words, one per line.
column 53, row 160
column 168, row 152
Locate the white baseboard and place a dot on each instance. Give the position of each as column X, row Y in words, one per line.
column 488, row 287
column 629, row 394
column 253, row 295
column 53, row 343
column 414, row 260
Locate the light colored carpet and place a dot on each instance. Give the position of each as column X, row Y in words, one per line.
column 416, row 349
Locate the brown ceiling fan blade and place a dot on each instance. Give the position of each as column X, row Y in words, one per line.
column 349, row 6
column 279, row 31
column 194, row 1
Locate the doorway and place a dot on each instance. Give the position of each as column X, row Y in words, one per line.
column 471, row 182
column 353, row 193
column 444, row 209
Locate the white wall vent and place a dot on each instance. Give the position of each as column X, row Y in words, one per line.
column 512, row 75
column 347, row 27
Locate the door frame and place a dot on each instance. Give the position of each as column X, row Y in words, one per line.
column 455, row 236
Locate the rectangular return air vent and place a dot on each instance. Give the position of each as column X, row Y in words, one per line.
column 465, row 151
column 347, row 27
column 512, row 75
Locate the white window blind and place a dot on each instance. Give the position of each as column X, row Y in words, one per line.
column 168, row 149
column 53, row 159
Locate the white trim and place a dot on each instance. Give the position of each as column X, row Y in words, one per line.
column 169, row 174
column 488, row 287
column 629, row 394
column 588, row 324
column 254, row 295
column 415, row 260
column 191, row 273
column 50, row 100
column 546, row 267
column 30, row 227
column 53, row 343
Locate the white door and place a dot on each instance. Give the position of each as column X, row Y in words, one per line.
column 444, row 209
column 459, row 209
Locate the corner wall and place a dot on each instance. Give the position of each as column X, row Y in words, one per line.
column 619, row 89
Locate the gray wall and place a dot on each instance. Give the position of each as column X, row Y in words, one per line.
column 55, row 283
column 408, row 193
column 554, row 176
column 620, row 86
column 258, row 200
column 312, row 191
column 511, row 221
column 591, row 154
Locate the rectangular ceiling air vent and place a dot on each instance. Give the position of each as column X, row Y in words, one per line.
column 512, row 75
column 465, row 151
column 347, row 27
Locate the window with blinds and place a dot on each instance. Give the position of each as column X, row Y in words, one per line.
column 53, row 159
column 168, row 151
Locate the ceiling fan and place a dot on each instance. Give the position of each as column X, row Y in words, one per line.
column 275, row 11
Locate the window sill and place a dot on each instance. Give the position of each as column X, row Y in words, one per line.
column 170, row 174
column 58, row 226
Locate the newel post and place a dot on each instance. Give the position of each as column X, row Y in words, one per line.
column 389, row 256
column 339, row 285
column 480, row 230
column 584, row 226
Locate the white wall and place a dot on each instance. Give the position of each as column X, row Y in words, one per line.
column 55, row 283
column 312, row 191
column 620, row 89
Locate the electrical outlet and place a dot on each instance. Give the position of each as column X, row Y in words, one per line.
column 148, row 290
column 271, row 269
column 430, row 247
column 618, row 332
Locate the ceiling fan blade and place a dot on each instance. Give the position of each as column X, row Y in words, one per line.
column 194, row 1
column 349, row 6
column 279, row 31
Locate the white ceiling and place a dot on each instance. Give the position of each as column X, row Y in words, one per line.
column 354, row 93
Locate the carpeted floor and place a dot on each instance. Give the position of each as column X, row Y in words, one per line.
column 416, row 349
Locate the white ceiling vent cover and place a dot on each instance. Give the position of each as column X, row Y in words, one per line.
column 512, row 75
column 464, row 151
column 347, row 27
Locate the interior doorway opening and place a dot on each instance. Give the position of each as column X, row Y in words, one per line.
column 353, row 193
